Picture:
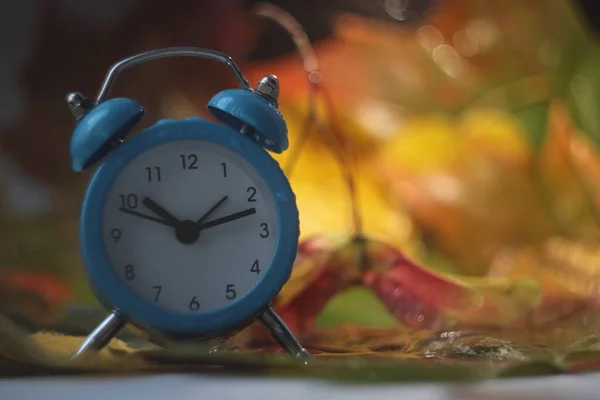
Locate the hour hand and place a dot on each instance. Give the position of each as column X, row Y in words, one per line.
column 169, row 218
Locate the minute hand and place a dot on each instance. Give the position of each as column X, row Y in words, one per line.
column 227, row 218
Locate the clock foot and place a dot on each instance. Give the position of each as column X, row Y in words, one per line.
column 282, row 334
column 103, row 334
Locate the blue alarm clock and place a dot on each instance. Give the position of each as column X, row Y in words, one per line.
column 189, row 227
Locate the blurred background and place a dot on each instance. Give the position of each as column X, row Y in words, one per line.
column 474, row 129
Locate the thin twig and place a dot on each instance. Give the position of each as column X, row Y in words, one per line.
column 309, row 123
column 299, row 36
column 333, row 137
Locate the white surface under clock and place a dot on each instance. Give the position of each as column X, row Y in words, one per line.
column 187, row 387
column 187, row 178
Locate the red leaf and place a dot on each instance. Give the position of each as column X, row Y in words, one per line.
column 45, row 285
column 402, row 303
column 423, row 298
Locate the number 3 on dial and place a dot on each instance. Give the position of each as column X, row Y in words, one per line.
column 264, row 233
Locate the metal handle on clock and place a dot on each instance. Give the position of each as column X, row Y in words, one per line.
column 169, row 52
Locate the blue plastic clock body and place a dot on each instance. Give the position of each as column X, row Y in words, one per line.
column 113, row 119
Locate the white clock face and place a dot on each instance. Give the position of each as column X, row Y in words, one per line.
column 190, row 226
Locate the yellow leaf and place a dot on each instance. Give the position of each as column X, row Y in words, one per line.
column 425, row 143
column 494, row 131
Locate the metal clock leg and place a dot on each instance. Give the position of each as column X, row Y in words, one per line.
column 282, row 334
column 103, row 334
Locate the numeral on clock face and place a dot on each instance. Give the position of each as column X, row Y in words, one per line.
column 158, row 290
column 252, row 191
column 153, row 174
column 255, row 267
column 129, row 272
column 129, row 201
column 115, row 234
column 189, row 161
column 194, row 304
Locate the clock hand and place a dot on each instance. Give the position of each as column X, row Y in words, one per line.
column 144, row 216
column 212, row 209
column 227, row 218
column 161, row 212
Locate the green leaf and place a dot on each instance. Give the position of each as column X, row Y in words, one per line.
column 356, row 306
column 583, row 96
column 534, row 118
column 575, row 43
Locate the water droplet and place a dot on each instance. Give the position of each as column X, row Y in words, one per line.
column 429, row 37
column 448, row 60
